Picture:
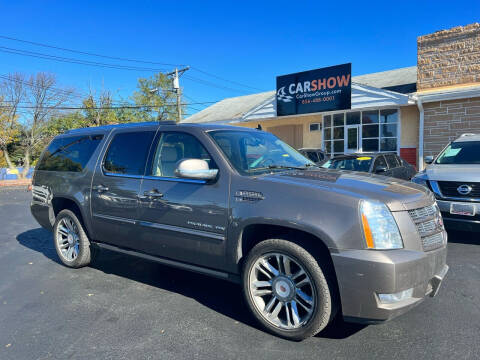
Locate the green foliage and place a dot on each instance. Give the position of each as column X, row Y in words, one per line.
column 155, row 93
column 99, row 111
column 63, row 122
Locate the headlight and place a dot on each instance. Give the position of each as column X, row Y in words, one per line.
column 420, row 178
column 379, row 226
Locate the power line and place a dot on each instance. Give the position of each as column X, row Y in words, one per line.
column 31, row 84
column 72, row 107
column 88, row 53
column 99, row 107
column 115, row 66
column 75, row 61
column 223, row 79
column 208, row 83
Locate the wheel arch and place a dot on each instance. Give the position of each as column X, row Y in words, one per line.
column 60, row 203
column 255, row 233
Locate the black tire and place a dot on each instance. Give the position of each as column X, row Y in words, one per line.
column 324, row 308
column 85, row 250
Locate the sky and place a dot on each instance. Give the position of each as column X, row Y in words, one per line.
column 234, row 48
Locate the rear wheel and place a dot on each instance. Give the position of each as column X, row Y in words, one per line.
column 71, row 242
column 286, row 289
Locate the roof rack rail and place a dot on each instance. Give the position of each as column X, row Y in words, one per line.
column 167, row 122
column 112, row 126
column 468, row 134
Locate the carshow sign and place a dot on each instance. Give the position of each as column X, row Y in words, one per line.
column 324, row 89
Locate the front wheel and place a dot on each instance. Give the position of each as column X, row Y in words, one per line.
column 71, row 242
column 286, row 289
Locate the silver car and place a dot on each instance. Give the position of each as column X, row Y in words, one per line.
column 454, row 178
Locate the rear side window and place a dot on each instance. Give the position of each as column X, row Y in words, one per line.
column 127, row 153
column 69, row 153
column 392, row 161
column 312, row 155
column 380, row 161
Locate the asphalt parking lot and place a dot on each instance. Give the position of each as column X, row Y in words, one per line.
column 126, row 308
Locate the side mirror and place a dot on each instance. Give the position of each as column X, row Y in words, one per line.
column 196, row 169
column 380, row 169
column 428, row 159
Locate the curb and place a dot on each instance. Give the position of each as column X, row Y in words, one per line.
column 16, row 183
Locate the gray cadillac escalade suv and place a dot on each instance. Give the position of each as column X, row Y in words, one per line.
column 305, row 243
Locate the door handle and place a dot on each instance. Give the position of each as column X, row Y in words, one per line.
column 153, row 194
column 100, row 188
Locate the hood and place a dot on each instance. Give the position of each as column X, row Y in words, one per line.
column 397, row 194
column 459, row 173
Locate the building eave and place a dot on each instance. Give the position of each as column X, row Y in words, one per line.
column 461, row 92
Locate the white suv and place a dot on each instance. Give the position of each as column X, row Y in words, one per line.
column 454, row 178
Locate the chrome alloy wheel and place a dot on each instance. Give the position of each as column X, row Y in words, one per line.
column 282, row 291
column 67, row 238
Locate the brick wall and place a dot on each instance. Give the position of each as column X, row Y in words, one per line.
column 447, row 120
column 449, row 57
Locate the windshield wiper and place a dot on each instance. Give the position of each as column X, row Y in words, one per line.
column 273, row 167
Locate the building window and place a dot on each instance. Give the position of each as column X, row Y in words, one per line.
column 327, row 121
column 339, row 119
column 388, row 130
column 353, row 118
column 315, row 127
column 377, row 129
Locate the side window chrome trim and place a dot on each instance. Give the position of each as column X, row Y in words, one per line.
column 160, row 178
column 163, row 178
column 121, row 175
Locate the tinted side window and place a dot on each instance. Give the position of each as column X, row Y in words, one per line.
column 312, row 155
column 127, row 153
column 69, row 153
column 379, row 161
column 400, row 161
column 391, row 161
column 173, row 147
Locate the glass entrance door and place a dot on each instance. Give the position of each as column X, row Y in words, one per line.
column 352, row 138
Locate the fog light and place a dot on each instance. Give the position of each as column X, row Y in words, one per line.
column 393, row 298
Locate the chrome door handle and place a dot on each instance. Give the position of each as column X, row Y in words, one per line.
column 100, row 188
column 153, row 194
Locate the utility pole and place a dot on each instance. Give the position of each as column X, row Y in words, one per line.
column 176, row 85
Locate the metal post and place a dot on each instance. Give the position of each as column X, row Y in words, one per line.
column 179, row 96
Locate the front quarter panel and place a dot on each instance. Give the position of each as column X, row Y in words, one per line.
column 329, row 216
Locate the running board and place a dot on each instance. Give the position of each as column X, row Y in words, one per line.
column 199, row 269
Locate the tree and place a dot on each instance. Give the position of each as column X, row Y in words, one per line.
column 156, row 98
column 61, row 123
column 98, row 110
column 44, row 99
column 12, row 93
column 8, row 132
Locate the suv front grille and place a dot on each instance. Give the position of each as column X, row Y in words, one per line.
column 432, row 242
column 449, row 189
column 420, row 214
column 428, row 221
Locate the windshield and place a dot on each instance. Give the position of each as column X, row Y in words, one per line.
column 252, row 152
column 361, row 163
column 462, row 152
